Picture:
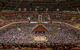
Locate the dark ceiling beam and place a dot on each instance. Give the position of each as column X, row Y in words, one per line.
column 5, row 3
column 27, row 4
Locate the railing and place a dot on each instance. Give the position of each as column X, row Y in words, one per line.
column 5, row 26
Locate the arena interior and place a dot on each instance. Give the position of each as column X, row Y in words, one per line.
column 39, row 24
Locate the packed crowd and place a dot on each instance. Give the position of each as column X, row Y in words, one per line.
column 21, row 34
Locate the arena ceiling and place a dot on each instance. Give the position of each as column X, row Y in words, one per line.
column 51, row 4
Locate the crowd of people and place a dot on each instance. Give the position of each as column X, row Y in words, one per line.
column 59, row 34
column 21, row 34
